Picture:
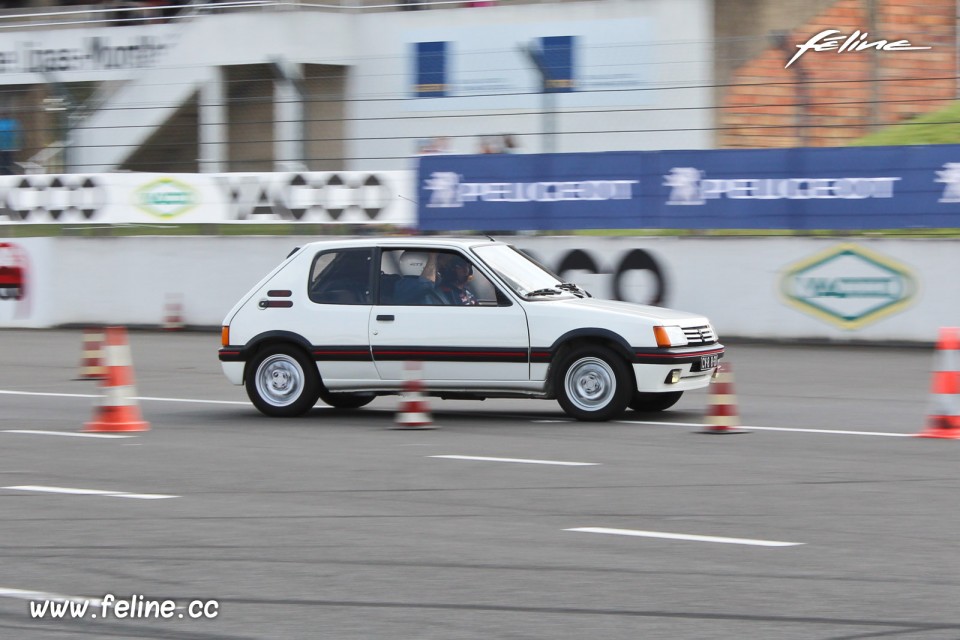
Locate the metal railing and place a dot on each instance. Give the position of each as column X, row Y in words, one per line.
column 133, row 12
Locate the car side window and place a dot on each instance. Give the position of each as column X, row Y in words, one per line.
column 418, row 277
column 341, row 276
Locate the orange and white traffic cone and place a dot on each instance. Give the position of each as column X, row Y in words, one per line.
column 414, row 411
column 173, row 314
column 944, row 418
column 118, row 409
column 722, row 414
column 91, row 361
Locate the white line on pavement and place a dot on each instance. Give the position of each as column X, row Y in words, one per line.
column 684, row 536
column 239, row 402
column 520, row 460
column 23, row 594
column 649, row 422
column 792, row 429
column 66, row 434
column 90, row 492
column 88, row 395
column 49, row 395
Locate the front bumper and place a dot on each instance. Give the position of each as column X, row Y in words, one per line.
column 652, row 367
column 233, row 371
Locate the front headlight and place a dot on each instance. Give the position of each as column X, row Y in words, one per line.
column 669, row 336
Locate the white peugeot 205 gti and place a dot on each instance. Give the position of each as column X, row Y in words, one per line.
column 340, row 320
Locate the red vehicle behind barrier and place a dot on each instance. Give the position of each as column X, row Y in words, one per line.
column 12, row 278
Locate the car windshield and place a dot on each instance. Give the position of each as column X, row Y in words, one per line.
column 520, row 273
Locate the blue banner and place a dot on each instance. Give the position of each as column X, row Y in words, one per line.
column 557, row 52
column 844, row 188
column 431, row 70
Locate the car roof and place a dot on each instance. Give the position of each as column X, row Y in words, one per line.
column 405, row 241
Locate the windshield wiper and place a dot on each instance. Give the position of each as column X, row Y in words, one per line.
column 543, row 292
column 574, row 289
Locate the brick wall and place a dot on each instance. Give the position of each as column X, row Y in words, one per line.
column 827, row 98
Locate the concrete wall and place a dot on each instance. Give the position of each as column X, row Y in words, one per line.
column 770, row 288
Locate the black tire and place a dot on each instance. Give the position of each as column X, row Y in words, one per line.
column 593, row 384
column 346, row 400
column 282, row 382
column 654, row 401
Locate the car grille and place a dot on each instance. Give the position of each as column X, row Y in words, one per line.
column 700, row 335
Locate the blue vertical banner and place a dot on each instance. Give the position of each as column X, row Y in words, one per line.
column 558, row 60
column 841, row 188
column 431, row 72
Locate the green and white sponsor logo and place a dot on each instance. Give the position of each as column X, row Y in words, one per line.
column 848, row 286
column 166, row 197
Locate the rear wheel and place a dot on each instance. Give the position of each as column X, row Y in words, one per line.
column 654, row 401
column 593, row 384
column 346, row 400
column 283, row 382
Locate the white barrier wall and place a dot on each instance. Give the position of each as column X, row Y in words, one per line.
column 782, row 288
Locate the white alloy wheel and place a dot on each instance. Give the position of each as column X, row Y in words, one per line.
column 593, row 383
column 590, row 383
column 280, row 380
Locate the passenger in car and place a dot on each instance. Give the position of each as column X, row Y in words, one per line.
column 434, row 278
column 417, row 286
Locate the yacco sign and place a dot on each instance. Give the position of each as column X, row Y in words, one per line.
column 166, row 197
column 848, row 286
column 324, row 197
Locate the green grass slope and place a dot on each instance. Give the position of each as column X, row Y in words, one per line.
column 939, row 127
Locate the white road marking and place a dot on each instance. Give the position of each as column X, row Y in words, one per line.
column 67, row 434
column 90, row 395
column 49, row 395
column 839, row 432
column 238, row 402
column 650, row 422
column 23, row 594
column 89, row 492
column 684, row 536
column 520, row 460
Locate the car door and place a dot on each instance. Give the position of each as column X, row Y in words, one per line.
column 340, row 292
column 485, row 340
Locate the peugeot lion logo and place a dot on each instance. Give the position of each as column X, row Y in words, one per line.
column 950, row 176
column 684, row 183
column 445, row 189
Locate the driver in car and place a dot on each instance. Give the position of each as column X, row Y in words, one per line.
column 455, row 273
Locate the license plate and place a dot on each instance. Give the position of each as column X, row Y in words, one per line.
column 709, row 362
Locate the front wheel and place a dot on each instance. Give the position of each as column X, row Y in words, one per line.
column 593, row 384
column 283, row 382
column 654, row 401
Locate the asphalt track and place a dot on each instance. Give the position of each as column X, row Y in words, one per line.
column 336, row 526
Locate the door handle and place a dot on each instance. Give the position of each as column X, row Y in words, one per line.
column 385, row 318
